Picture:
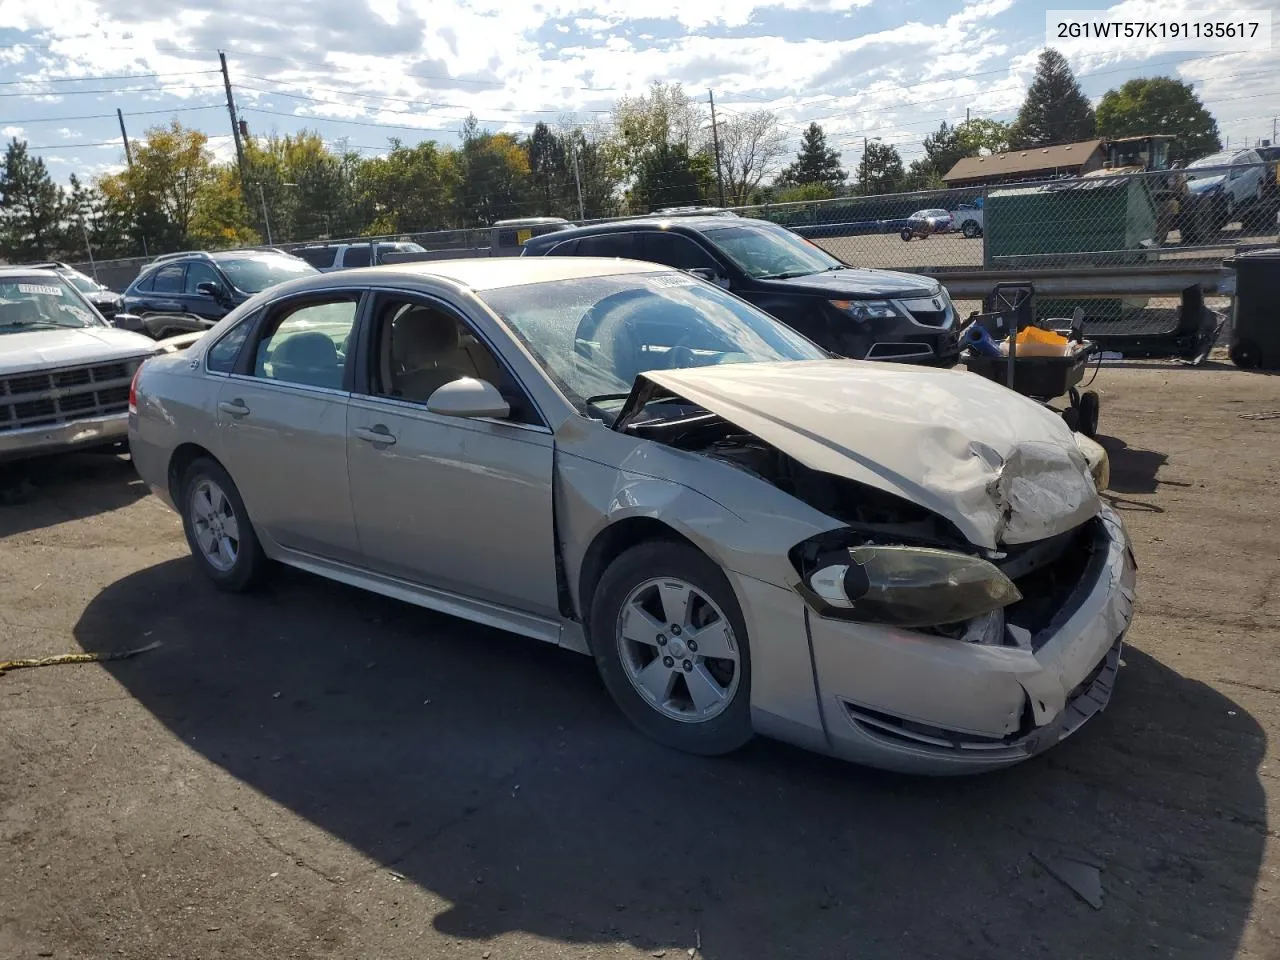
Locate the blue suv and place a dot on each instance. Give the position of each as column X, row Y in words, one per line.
column 183, row 292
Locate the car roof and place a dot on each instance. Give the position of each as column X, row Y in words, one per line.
column 21, row 271
column 490, row 273
column 667, row 224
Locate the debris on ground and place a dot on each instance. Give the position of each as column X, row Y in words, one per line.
column 1083, row 878
column 64, row 658
column 1269, row 415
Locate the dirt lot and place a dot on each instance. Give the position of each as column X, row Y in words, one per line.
column 313, row 772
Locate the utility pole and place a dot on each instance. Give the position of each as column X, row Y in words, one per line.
column 128, row 151
column 715, row 139
column 89, row 248
column 266, row 222
column 231, row 109
column 966, row 114
column 864, row 164
column 577, row 178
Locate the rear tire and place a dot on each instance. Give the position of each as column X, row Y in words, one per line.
column 906, row 236
column 645, row 640
column 218, row 530
column 1090, row 407
column 970, row 230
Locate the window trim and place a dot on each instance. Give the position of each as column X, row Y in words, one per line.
column 365, row 350
column 182, row 286
column 252, row 319
column 702, row 246
column 265, row 320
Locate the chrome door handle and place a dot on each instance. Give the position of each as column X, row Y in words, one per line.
column 235, row 408
column 378, row 434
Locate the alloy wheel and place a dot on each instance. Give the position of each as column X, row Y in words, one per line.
column 678, row 649
column 214, row 522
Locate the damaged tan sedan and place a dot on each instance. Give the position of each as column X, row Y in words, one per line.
column 905, row 567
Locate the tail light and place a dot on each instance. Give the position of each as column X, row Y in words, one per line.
column 133, row 390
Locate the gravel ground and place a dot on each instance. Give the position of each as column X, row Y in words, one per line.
column 315, row 772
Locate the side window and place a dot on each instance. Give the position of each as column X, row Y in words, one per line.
column 674, row 250
column 221, row 357
column 318, row 257
column 145, row 284
column 198, row 273
column 307, row 344
column 607, row 245
column 356, row 256
column 422, row 346
column 169, row 279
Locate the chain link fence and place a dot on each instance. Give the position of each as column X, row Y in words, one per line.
column 1193, row 217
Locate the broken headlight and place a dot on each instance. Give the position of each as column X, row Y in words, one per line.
column 907, row 586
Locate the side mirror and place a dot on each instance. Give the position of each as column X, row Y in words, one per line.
column 128, row 321
column 706, row 273
column 469, row 397
column 208, row 288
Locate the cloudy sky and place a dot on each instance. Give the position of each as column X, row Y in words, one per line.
column 361, row 71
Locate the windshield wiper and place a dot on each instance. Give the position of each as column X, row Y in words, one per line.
column 787, row 275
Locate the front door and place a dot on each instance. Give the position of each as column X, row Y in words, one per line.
column 458, row 504
column 282, row 425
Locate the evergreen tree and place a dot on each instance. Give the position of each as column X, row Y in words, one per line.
column 668, row 177
column 880, row 170
column 815, row 163
column 32, row 207
column 1055, row 110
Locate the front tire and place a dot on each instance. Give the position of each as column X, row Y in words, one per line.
column 906, row 236
column 970, row 230
column 218, row 530
column 670, row 643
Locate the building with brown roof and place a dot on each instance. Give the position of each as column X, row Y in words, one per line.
column 1037, row 163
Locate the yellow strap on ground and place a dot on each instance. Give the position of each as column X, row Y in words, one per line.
column 7, row 665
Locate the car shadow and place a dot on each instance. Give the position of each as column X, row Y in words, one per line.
column 50, row 490
column 1133, row 470
column 494, row 772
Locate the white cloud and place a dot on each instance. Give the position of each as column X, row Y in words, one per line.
column 17, row 132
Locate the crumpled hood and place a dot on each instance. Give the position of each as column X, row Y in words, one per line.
column 997, row 465
column 856, row 284
column 44, row 348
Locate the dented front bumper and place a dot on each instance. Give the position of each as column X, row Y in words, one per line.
column 909, row 701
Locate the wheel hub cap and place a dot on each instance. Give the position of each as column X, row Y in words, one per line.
column 678, row 649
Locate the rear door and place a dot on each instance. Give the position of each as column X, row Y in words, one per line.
column 165, row 293
column 282, row 420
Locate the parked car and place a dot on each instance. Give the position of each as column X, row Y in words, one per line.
column 969, row 219
column 106, row 301
column 64, row 371
column 900, row 566
column 865, row 314
column 1230, row 180
column 925, row 223
column 181, row 292
column 343, row 256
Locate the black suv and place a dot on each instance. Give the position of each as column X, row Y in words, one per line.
column 182, row 292
column 866, row 314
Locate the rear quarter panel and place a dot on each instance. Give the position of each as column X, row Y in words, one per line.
column 176, row 404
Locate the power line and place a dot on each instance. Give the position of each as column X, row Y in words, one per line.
column 418, row 76
column 376, row 96
column 72, row 146
column 79, row 93
column 118, row 76
column 364, row 123
column 107, row 116
column 406, row 113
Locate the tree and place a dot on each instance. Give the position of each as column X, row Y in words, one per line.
column 411, row 188
column 815, row 164
column 176, row 195
column 880, row 170
column 598, row 170
column 550, row 172
column 950, row 144
column 32, row 206
column 666, row 115
column 750, row 146
column 1147, row 105
column 668, row 177
column 495, row 176
column 1055, row 110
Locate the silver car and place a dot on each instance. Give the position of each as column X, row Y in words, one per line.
column 901, row 566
